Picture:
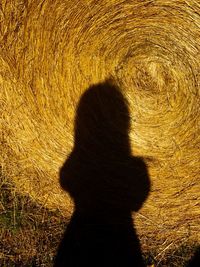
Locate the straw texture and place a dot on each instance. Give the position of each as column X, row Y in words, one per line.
column 51, row 51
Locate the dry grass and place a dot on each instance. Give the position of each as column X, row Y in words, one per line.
column 51, row 51
column 29, row 233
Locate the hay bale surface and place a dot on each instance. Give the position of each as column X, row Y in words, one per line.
column 51, row 51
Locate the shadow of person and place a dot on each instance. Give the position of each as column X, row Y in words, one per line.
column 105, row 182
column 195, row 261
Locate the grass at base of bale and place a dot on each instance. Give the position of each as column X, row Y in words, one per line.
column 30, row 234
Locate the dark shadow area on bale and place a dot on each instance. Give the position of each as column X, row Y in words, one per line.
column 195, row 261
column 105, row 181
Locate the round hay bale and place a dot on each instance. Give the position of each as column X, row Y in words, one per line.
column 52, row 51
